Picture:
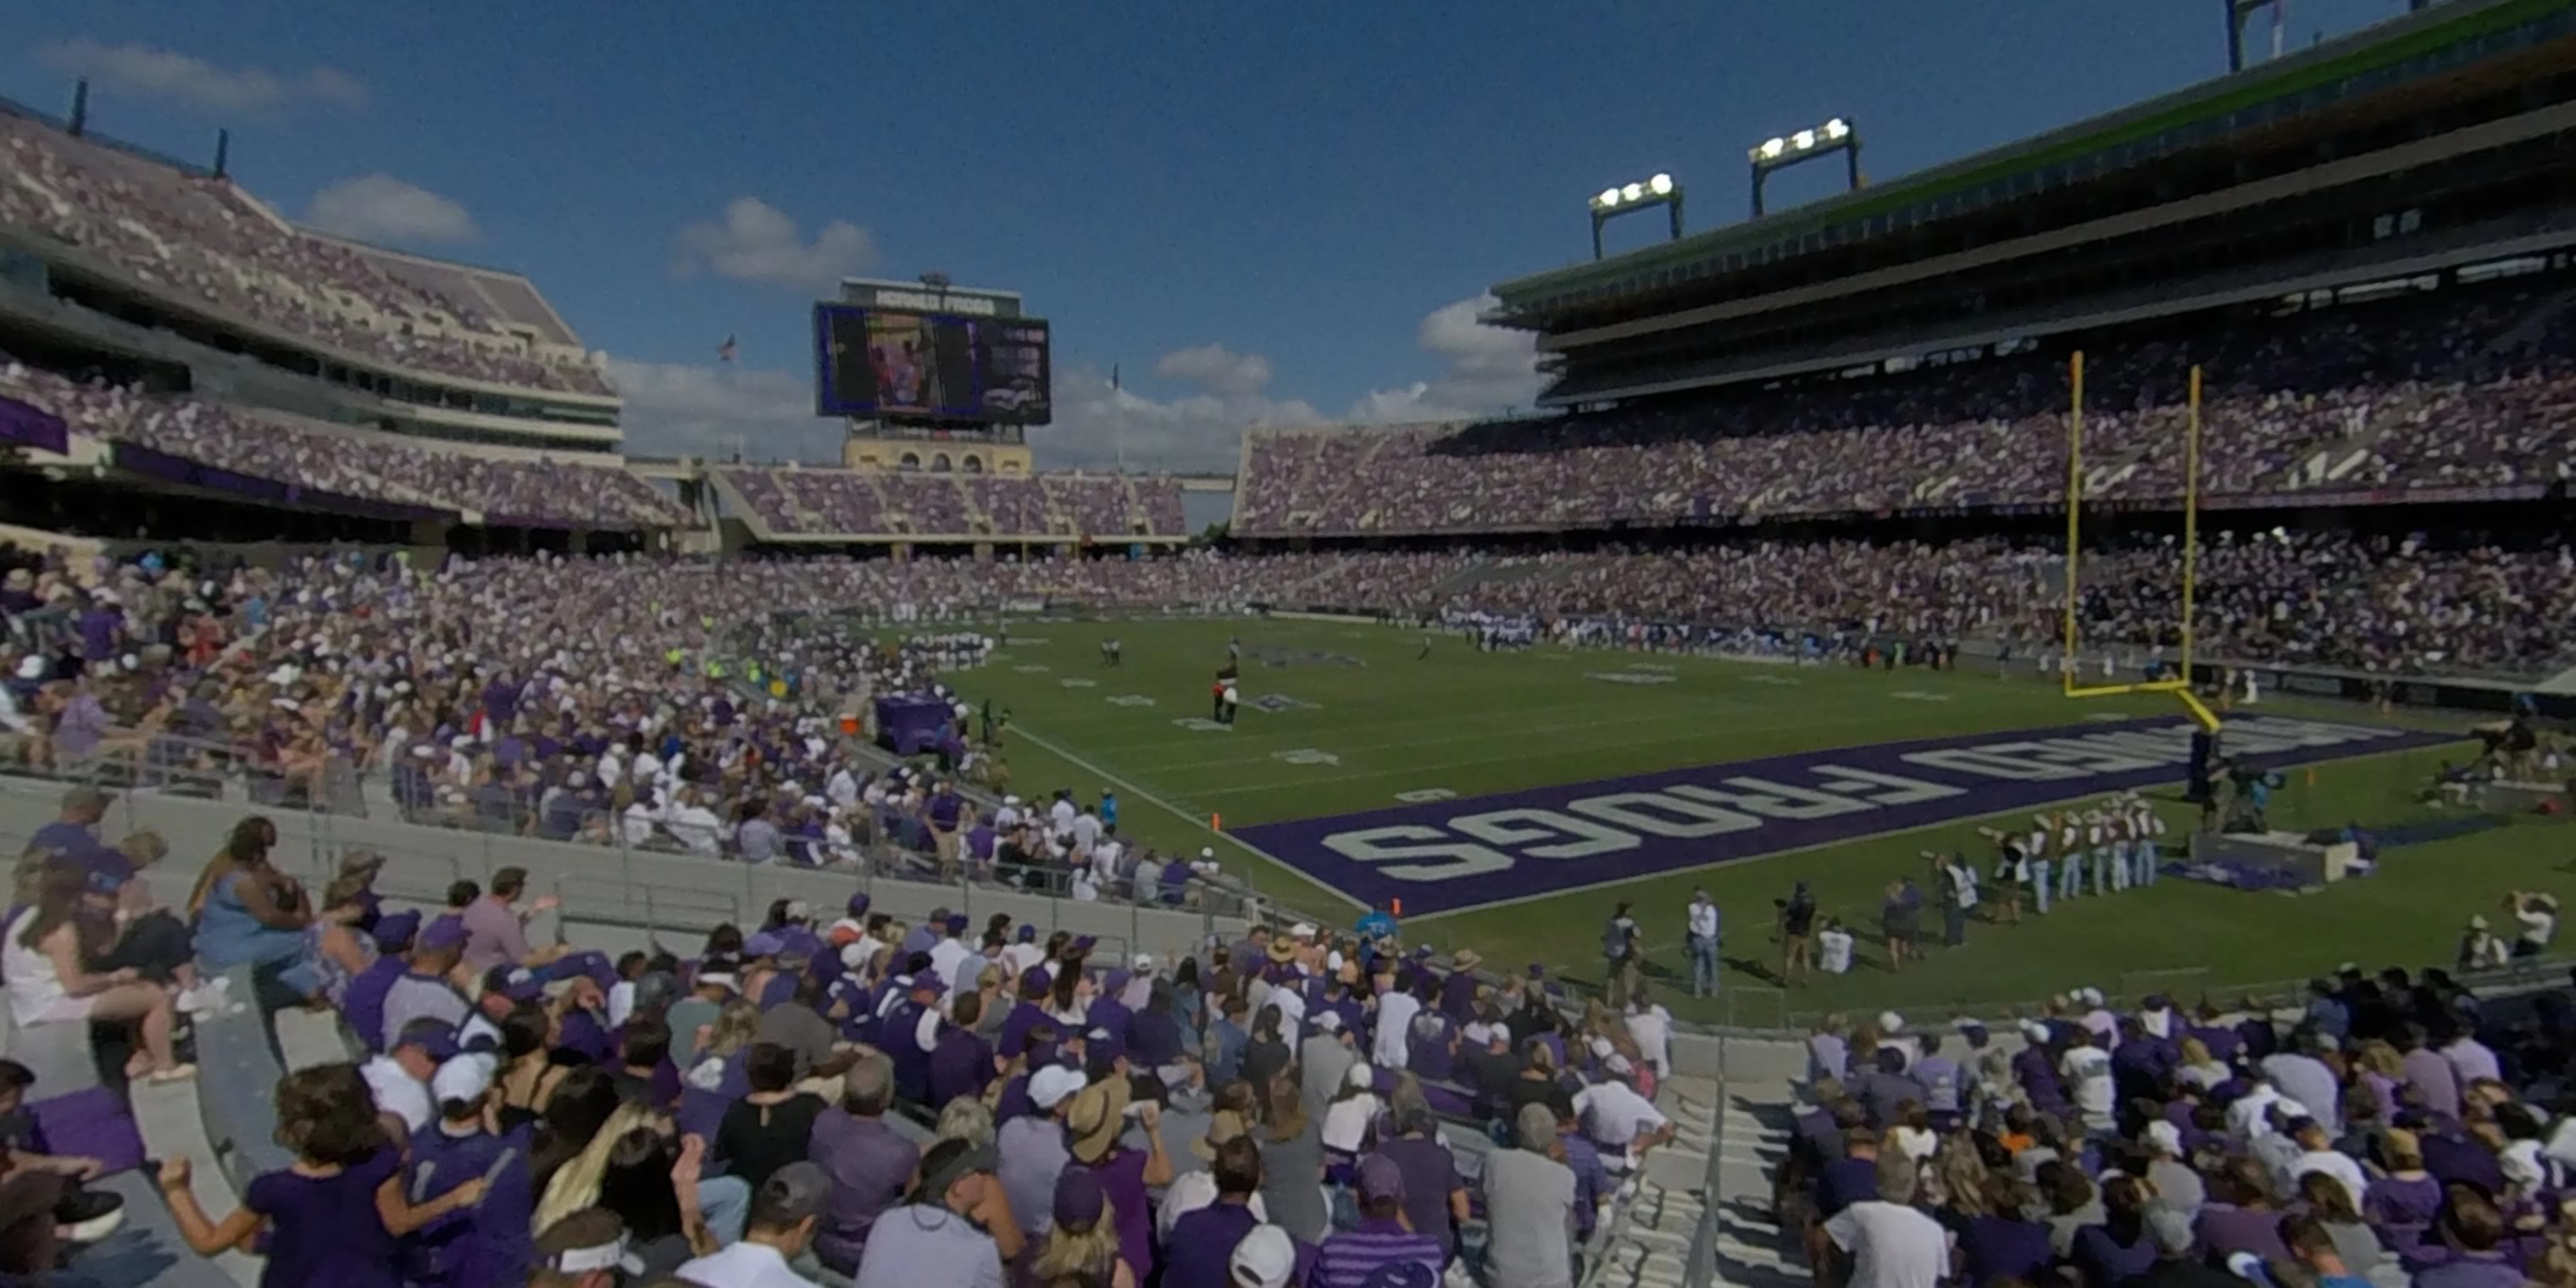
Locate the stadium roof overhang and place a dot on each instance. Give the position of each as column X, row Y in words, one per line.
column 2154, row 305
column 2250, row 200
column 2442, row 42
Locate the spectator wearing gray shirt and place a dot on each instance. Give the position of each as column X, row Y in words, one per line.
column 756, row 837
column 422, row 992
column 955, row 1233
column 1529, row 1205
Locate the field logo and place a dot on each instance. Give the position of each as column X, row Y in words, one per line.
column 1918, row 695
column 1426, row 795
column 1632, row 677
column 1199, row 724
column 1131, row 700
column 1077, row 682
column 1041, row 640
column 1780, row 680
column 1443, row 855
column 1279, row 704
column 1656, row 667
column 1032, row 668
column 1306, row 756
column 1271, row 655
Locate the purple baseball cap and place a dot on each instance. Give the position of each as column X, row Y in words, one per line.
column 446, row 932
column 859, row 904
column 1079, row 1199
column 1380, row 1178
column 517, row 983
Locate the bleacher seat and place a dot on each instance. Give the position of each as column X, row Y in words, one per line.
column 173, row 1124
column 237, row 1082
column 306, row 1038
column 147, row 1250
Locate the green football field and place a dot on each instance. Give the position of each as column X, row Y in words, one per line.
column 1361, row 722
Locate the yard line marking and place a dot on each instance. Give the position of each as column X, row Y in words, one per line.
column 1553, row 748
column 1193, row 819
column 1478, row 735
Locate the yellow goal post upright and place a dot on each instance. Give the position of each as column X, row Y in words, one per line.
column 2068, row 665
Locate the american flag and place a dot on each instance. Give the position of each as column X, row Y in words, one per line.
column 724, row 352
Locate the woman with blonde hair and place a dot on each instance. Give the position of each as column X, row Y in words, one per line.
column 42, row 958
column 639, row 1167
column 1292, row 1162
column 2199, row 1068
column 719, row 1063
column 968, row 1120
column 1083, row 1245
column 2377, row 1067
column 2403, row 1202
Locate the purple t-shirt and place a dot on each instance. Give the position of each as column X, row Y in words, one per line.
column 1201, row 1244
column 107, row 866
column 1430, row 1176
column 2105, row 1260
column 2226, row 1230
column 1122, row 1177
column 323, row 1232
column 1998, row 1247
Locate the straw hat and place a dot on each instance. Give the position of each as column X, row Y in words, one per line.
column 1099, row 1114
column 1225, row 1126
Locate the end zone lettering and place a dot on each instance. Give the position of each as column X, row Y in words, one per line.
column 1442, row 855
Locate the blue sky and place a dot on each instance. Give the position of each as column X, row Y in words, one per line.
column 1256, row 212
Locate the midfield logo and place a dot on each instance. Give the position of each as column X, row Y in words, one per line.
column 1131, row 700
column 1632, row 677
column 1279, row 703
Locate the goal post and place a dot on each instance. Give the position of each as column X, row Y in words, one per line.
column 2072, row 632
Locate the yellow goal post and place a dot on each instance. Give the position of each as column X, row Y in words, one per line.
column 2180, row 686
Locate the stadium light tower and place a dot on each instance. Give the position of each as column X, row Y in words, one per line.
column 2238, row 13
column 1627, row 198
column 1783, row 151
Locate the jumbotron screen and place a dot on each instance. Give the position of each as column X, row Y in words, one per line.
column 877, row 363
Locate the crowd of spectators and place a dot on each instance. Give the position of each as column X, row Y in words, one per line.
column 827, row 502
column 203, row 242
column 365, row 464
column 2472, row 387
column 673, row 704
column 2396, row 1130
column 833, row 1096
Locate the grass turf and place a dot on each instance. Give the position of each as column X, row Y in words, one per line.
column 1378, row 722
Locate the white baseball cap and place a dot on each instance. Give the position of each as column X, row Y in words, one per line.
column 1050, row 1085
column 1263, row 1258
column 465, row 1077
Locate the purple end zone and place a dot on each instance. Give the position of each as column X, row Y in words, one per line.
column 1453, row 854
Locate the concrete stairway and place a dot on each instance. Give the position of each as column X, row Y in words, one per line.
column 1760, row 1103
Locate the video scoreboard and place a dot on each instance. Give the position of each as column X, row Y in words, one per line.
column 912, row 351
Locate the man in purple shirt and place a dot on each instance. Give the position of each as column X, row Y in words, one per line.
column 1195, row 1254
column 1435, row 1198
column 74, row 836
column 868, row 1163
column 1351, row 1258
column 2473, row 1233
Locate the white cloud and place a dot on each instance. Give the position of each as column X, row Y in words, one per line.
column 382, row 208
column 1217, row 369
column 1486, row 369
column 701, row 410
column 161, row 73
column 1096, row 425
column 1483, row 370
column 675, row 409
column 757, row 242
